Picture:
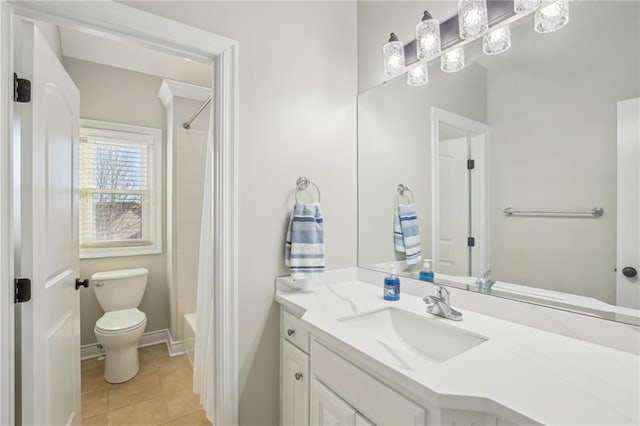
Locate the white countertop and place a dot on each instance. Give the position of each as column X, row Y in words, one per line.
column 545, row 377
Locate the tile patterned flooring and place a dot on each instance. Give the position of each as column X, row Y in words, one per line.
column 161, row 393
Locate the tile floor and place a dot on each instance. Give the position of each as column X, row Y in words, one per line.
column 161, row 393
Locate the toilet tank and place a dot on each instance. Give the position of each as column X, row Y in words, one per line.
column 121, row 289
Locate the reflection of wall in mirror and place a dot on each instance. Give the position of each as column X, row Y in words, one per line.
column 552, row 114
column 394, row 146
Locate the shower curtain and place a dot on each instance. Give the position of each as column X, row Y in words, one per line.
column 203, row 366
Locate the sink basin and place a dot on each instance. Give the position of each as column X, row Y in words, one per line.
column 409, row 340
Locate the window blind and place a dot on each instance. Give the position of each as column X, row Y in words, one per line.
column 115, row 192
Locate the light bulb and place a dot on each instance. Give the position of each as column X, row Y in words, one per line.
column 497, row 41
column 473, row 20
column 552, row 17
column 525, row 6
column 393, row 53
column 453, row 60
column 428, row 37
column 418, row 76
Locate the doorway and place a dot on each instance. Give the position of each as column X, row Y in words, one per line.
column 124, row 23
column 459, row 178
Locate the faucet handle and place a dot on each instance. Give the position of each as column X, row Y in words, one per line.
column 486, row 274
column 443, row 294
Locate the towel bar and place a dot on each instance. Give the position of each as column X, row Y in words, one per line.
column 303, row 183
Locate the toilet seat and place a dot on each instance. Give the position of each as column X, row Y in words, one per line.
column 122, row 321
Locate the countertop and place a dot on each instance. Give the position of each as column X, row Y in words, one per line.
column 545, row 377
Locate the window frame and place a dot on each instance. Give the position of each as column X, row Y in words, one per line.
column 96, row 128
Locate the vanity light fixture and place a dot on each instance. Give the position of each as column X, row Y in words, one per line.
column 525, row 6
column 497, row 41
column 552, row 17
column 428, row 37
column 453, row 60
column 473, row 20
column 393, row 53
column 419, row 75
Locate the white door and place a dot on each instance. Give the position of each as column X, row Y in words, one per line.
column 294, row 379
column 50, row 323
column 454, row 207
column 628, row 235
column 328, row 409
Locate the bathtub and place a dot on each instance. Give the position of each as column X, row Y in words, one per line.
column 189, row 333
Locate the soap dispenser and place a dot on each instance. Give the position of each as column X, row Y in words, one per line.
column 392, row 285
column 426, row 274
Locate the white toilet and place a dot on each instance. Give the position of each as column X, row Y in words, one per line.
column 119, row 294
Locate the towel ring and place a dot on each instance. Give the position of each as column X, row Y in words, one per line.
column 402, row 189
column 303, row 183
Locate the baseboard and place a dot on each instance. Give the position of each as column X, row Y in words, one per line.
column 150, row 338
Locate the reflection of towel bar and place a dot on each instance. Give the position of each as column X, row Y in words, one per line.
column 595, row 212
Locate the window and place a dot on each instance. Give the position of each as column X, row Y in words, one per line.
column 120, row 190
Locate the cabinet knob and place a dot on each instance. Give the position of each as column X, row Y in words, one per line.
column 298, row 376
column 290, row 331
column 82, row 283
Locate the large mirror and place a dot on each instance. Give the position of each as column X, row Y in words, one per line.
column 550, row 200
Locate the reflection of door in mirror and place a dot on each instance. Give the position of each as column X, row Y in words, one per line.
column 460, row 240
column 628, row 253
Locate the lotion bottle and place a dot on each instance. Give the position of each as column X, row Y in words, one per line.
column 392, row 286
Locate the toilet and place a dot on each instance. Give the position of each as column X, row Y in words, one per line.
column 119, row 294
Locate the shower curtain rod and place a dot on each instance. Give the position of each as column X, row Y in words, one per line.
column 187, row 124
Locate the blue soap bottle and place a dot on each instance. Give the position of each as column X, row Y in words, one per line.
column 426, row 274
column 392, row 286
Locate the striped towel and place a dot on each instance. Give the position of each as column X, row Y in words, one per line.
column 406, row 235
column 304, row 247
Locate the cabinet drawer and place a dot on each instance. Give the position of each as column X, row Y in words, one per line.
column 294, row 331
column 380, row 404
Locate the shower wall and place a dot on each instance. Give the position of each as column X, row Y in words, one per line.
column 190, row 162
column 186, row 150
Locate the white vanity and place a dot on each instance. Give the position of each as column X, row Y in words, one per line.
column 348, row 357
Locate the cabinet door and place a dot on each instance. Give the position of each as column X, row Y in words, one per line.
column 361, row 421
column 327, row 409
column 294, row 383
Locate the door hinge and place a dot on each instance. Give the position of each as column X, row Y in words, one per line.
column 471, row 242
column 21, row 89
column 471, row 164
column 22, row 290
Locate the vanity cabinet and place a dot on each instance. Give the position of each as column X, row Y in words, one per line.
column 294, row 372
column 320, row 387
column 294, row 382
column 328, row 409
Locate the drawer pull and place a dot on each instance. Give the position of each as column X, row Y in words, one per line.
column 290, row 332
column 298, row 376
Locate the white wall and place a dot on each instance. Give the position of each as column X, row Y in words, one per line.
column 553, row 146
column 297, row 117
column 121, row 96
column 394, row 131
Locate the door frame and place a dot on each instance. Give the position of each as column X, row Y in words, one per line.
column 125, row 22
column 479, row 152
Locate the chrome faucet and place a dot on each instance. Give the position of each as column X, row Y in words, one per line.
column 439, row 305
column 485, row 282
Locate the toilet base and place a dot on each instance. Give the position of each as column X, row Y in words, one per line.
column 121, row 363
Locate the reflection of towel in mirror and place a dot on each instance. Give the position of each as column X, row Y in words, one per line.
column 304, row 247
column 406, row 235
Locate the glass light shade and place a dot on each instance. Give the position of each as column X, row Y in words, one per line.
column 452, row 61
column 552, row 17
column 393, row 58
column 525, row 6
column 472, row 18
column 428, row 39
column 497, row 41
column 418, row 76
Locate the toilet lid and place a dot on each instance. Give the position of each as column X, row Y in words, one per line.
column 119, row 321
